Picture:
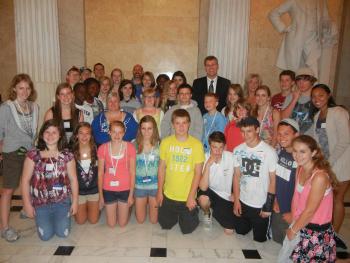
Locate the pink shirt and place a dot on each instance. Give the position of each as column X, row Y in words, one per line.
column 323, row 213
column 117, row 174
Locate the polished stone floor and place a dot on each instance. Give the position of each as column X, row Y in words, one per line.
column 135, row 243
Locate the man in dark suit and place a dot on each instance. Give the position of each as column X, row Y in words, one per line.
column 210, row 83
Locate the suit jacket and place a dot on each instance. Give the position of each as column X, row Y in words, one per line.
column 200, row 88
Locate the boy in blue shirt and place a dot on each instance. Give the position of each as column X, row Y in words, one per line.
column 212, row 120
column 281, row 218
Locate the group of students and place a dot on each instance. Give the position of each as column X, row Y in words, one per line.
column 249, row 165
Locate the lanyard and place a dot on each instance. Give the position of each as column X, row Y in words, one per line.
column 110, row 152
column 263, row 119
column 147, row 161
column 211, row 125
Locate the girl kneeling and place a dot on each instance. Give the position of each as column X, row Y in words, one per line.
column 49, row 183
column 116, row 175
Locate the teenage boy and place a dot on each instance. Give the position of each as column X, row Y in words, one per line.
column 298, row 105
column 73, row 76
column 287, row 81
column 281, row 217
column 99, row 70
column 184, row 94
column 215, row 186
column 253, row 181
column 179, row 172
column 212, row 120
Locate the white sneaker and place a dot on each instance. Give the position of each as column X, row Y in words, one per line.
column 207, row 221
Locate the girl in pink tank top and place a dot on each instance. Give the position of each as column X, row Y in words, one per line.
column 312, row 204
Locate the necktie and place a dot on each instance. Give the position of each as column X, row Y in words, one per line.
column 211, row 86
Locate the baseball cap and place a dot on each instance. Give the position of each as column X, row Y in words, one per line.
column 291, row 122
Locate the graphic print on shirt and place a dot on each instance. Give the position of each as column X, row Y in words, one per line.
column 301, row 113
column 180, row 158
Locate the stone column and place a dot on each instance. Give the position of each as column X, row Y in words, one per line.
column 37, row 47
column 228, row 37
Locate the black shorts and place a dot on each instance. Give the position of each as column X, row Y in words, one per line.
column 173, row 211
column 111, row 197
column 222, row 209
column 251, row 219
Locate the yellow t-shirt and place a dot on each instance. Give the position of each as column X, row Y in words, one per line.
column 180, row 158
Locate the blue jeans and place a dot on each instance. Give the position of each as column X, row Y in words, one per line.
column 53, row 219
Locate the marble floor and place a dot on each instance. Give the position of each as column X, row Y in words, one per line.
column 98, row 243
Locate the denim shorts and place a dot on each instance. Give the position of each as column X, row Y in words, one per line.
column 111, row 197
column 145, row 192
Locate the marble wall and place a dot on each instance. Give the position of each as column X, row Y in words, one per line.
column 264, row 40
column 72, row 34
column 160, row 35
column 8, row 46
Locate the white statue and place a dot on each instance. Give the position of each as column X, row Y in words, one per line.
column 309, row 32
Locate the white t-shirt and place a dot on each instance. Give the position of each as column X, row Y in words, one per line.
column 255, row 165
column 220, row 175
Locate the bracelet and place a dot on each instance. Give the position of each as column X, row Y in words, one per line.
column 291, row 229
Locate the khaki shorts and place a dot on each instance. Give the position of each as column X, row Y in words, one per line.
column 12, row 169
column 88, row 198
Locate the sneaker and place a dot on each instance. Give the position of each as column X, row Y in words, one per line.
column 10, row 234
column 207, row 221
column 339, row 242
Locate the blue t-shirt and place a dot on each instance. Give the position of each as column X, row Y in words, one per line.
column 285, row 180
column 147, row 170
column 211, row 123
column 100, row 128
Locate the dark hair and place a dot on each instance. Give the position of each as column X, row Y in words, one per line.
column 78, row 85
column 76, row 149
column 289, row 73
column 180, row 113
column 256, row 107
column 248, row 121
column 164, row 76
column 319, row 161
column 99, row 64
column 179, row 73
column 155, row 135
column 217, row 136
column 57, row 108
column 90, row 81
column 17, row 79
column 62, row 142
column 184, row 86
column 123, row 83
column 210, row 58
column 331, row 102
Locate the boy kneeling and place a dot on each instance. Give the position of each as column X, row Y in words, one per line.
column 215, row 187
column 179, row 172
column 253, row 182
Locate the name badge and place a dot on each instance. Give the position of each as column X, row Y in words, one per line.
column 111, row 171
column 57, row 187
column 66, row 124
column 147, row 179
column 187, row 151
column 323, row 125
column 151, row 157
column 49, row 167
column 114, row 183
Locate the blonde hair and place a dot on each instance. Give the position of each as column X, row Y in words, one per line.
column 248, row 78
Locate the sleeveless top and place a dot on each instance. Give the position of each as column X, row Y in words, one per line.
column 87, row 177
column 324, row 211
column 266, row 126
